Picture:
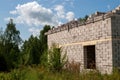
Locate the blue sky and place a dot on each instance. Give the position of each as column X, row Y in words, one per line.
column 31, row 15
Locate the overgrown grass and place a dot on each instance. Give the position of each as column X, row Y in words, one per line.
column 40, row 73
column 56, row 68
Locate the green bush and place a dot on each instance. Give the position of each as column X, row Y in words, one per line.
column 44, row 59
column 55, row 58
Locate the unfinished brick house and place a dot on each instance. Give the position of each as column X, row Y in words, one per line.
column 95, row 41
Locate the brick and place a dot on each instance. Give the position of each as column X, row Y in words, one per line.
column 104, row 34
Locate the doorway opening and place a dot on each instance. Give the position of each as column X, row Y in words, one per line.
column 89, row 57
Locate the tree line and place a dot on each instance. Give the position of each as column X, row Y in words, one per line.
column 13, row 56
column 33, row 51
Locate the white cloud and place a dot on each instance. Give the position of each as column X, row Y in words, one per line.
column 34, row 31
column 60, row 11
column 32, row 13
column 69, row 3
column 70, row 16
column 7, row 19
column 13, row 12
column 62, row 14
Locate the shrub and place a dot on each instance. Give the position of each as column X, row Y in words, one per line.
column 73, row 66
column 44, row 59
column 55, row 59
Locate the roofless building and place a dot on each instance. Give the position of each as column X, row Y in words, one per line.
column 95, row 42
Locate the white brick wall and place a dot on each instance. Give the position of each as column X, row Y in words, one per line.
column 104, row 34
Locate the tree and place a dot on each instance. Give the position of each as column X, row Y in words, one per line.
column 43, row 38
column 83, row 19
column 33, row 48
column 11, row 34
column 10, row 42
column 3, row 65
column 31, row 53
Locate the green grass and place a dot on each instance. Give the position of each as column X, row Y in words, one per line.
column 40, row 73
